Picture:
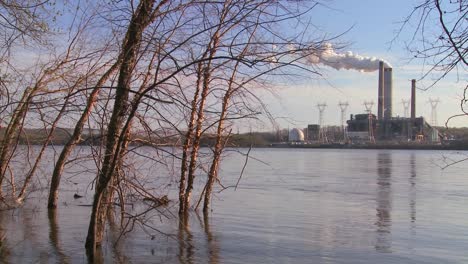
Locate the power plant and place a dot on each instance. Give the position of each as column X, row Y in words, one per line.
column 367, row 127
column 385, row 127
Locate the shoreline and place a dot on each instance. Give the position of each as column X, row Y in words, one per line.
column 409, row 146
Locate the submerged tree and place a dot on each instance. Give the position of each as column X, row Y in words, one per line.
column 46, row 92
column 20, row 22
column 250, row 50
column 173, row 73
column 145, row 13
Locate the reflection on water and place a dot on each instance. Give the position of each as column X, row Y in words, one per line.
column 186, row 248
column 197, row 249
column 4, row 250
column 309, row 206
column 384, row 202
column 384, row 199
column 213, row 248
column 116, row 244
column 412, row 191
column 54, row 237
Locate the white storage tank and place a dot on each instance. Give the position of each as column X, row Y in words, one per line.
column 296, row 135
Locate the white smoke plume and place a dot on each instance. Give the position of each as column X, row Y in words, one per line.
column 326, row 55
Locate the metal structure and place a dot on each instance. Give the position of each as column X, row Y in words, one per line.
column 369, row 105
column 413, row 99
column 434, row 103
column 406, row 104
column 343, row 106
column 322, row 131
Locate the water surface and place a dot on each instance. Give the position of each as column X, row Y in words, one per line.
column 291, row 206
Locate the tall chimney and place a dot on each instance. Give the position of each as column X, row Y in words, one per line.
column 413, row 99
column 388, row 93
column 380, row 101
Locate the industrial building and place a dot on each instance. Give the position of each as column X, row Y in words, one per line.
column 313, row 132
column 385, row 127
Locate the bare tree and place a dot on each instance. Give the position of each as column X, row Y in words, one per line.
column 12, row 133
column 205, row 75
column 75, row 137
column 24, row 21
column 115, row 140
column 54, row 88
column 440, row 36
column 440, row 41
column 255, row 51
column 183, row 72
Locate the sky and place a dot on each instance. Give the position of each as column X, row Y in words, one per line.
column 371, row 27
column 374, row 24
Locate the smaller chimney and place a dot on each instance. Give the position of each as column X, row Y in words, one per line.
column 413, row 99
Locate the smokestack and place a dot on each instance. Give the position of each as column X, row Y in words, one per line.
column 380, row 101
column 413, row 99
column 388, row 92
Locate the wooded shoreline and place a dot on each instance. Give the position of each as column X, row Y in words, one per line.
column 256, row 139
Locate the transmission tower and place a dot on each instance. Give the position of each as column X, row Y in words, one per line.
column 434, row 103
column 368, row 105
column 405, row 107
column 343, row 106
column 322, row 132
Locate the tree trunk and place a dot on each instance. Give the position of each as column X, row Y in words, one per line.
column 16, row 123
column 188, row 142
column 140, row 20
column 75, row 138
column 213, row 173
column 197, row 135
column 219, row 145
column 207, row 71
column 218, row 148
column 196, row 139
column 32, row 171
column 12, row 133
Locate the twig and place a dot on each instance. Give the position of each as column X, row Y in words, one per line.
column 243, row 168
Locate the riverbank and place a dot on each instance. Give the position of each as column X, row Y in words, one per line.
column 258, row 140
column 384, row 145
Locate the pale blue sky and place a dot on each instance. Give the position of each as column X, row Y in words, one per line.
column 375, row 25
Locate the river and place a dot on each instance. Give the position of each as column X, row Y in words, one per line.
column 291, row 206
